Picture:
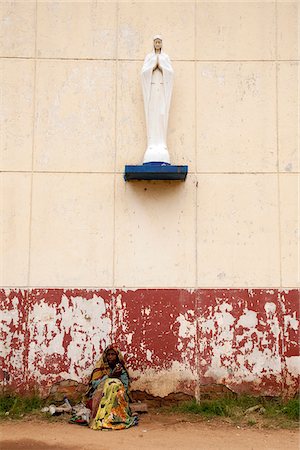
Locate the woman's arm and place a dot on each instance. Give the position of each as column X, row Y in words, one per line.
column 121, row 373
column 125, row 379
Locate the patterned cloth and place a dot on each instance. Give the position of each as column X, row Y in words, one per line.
column 101, row 372
column 113, row 411
column 108, row 396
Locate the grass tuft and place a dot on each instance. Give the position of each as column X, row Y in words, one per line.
column 292, row 409
column 17, row 406
column 206, row 408
column 236, row 408
column 272, row 411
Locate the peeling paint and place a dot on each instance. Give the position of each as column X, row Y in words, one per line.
column 173, row 339
column 163, row 382
column 248, row 319
column 293, row 364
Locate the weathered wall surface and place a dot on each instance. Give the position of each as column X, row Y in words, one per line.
column 163, row 268
column 72, row 117
column 174, row 340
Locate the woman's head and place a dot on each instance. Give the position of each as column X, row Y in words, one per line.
column 112, row 357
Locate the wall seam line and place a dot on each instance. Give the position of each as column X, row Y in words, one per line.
column 277, row 145
column 141, row 60
column 298, row 151
column 33, row 146
column 54, row 172
column 28, row 290
column 196, row 144
column 165, row 288
column 112, row 303
column 197, row 390
column 281, row 323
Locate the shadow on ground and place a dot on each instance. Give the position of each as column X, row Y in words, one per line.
column 29, row 444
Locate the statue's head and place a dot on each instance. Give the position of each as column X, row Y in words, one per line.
column 157, row 43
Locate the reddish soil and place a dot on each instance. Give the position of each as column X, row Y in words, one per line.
column 155, row 432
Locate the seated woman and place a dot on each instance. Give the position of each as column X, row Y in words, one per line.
column 107, row 396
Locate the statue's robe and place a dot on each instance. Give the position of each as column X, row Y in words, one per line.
column 157, row 91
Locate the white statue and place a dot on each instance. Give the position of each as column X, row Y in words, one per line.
column 157, row 84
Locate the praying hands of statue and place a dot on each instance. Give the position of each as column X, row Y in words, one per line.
column 157, row 66
column 157, row 44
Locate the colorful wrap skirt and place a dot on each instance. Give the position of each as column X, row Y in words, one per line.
column 113, row 411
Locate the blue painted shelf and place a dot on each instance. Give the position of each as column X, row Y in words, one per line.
column 155, row 171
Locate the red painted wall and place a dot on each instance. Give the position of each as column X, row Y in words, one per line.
column 173, row 339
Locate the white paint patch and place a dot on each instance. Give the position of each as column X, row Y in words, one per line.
column 263, row 361
column 187, row 336
column 186, row 327
column 216, row 369
column 191, row 344
column 248, row 346
column 291, row 321
column 147, row 311
column 248, row 319
column 208, row 326
column 293, row 365
column 225, row 307
column 129, row 338
column 149, row 355
column 49, row 324
column 11, row 317
column 270, row 308
column 160, row 382
column 119, row 301
column 254, row 359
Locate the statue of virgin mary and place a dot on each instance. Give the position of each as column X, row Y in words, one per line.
column 157, row 84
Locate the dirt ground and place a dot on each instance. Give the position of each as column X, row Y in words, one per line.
column 154, row 432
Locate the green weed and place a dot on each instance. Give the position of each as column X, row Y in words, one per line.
column 206, row 408
column 251, row 422
column 18, row 406
column 292, row 409
column 236, row 408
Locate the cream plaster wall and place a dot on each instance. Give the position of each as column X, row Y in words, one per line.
column 72, row 117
